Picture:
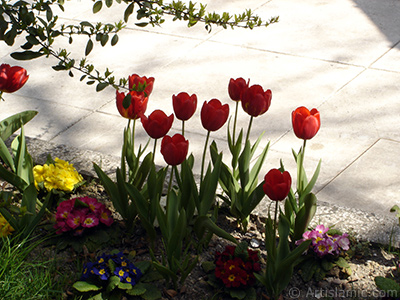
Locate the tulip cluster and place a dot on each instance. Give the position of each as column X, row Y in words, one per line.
column 174, row 149
column 59, row 175
column 108, row 265
column 77, row 214
column 324, row 243
column 233, row 270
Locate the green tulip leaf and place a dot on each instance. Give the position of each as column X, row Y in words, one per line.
column 11, row 124
column 305, row 215
column 313, row 180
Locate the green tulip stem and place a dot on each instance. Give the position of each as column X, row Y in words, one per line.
column 249, row 129
column 133, row 135
column 154, row 150
column 204, row 155
column 1, row 96
column 276, row 214
column 183, row 128
column 234, row 122
column 170, row 185
column 299, row 171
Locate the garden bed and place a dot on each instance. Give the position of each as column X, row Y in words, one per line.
column 367, row 260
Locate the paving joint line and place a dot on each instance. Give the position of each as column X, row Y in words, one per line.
column 348, row 166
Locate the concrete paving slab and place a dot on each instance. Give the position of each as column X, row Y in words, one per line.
column 52, row 117
column 96, row 132
column 390, row 61
column 351, row 122
column 206, row 71
column 321, row 31
column 371, row 182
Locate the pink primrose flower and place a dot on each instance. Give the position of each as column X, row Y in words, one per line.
column 343, row 242
column 93, row 204
column 90, row 220
column 105, row 216
column 321, row 229
column 61, row 227
column 321, row 249
column 76, row 218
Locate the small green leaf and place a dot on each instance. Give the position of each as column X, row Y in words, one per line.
column 97, row 6
column 128, row 11
column 127, row 101
column 342, row 263
column 32, row 39
column 89, row 47
column 238, row 294
column 109, row 3
column 113, row 283
column 138, row 290
column 83, row 286
column 101, row 86
column 114, row 40
column 142, row 24
column 26, row 55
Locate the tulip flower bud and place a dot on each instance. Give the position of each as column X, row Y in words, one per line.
column 131, row 106
column 277, row 184
column 214, row 114
column 141, row 84
column 174, row 149
column 305, row 123
column 157, row 124
column 256, row 101
column 236, row 88
column 184, row 105
column 12, row 78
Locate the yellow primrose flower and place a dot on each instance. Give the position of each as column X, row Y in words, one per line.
column 60, row 176
column 5, row 227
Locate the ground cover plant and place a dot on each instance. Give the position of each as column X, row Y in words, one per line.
column 165, row 209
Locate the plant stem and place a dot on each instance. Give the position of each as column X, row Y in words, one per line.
column 204, row 156
column 169, row 185
column 300, row 170
column 154, row 150
column 234, row 122
column 276, row 213
column 249, row 128
column 183, row 128
column 133, row 135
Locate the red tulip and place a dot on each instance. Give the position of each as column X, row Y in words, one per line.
column 305, row 123
column 137, row 105
column 184, row 105
column 157, row 124
column 214, row 114
column 255, row 101
column 12, row 78
column 141, row 84
column 174, row 149
column 236, row 88
column 277, row 184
